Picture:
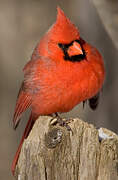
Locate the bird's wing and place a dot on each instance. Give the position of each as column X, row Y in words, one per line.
column 23, row 102
column 29, row 87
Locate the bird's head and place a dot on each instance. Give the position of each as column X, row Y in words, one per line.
column 62, row 41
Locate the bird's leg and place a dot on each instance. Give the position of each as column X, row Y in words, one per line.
column 60, row 121
column 53, row 120
column 84, row 103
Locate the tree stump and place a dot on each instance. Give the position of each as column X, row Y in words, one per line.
column 54, row 153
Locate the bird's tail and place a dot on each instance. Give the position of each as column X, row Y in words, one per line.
column 25, row 135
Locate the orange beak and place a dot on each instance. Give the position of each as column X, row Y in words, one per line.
column 75, row 49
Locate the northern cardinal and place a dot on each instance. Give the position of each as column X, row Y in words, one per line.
column 64, row 70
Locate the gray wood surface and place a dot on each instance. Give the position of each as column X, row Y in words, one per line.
column 53, row 153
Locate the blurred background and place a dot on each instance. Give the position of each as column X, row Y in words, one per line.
column 22, row 23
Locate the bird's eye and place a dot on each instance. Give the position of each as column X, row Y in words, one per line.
column 63, row 46
column 60, row 45
column 73, row 51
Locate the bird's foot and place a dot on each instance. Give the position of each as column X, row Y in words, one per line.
column 58, row 120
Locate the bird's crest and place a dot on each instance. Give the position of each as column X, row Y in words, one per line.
column 63, row 31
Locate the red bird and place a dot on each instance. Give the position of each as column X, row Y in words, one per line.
column 64, row 70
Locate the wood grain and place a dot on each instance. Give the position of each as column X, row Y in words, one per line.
column 54, row 153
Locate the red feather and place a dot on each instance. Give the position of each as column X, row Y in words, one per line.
column 64, row 70
column 26, row 133
column 22, row 104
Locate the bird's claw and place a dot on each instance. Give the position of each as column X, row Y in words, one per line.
column 64, row 123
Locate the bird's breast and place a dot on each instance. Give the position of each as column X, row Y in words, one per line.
column 64, row 86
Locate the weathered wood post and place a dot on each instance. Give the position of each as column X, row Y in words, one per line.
column 53, row 153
